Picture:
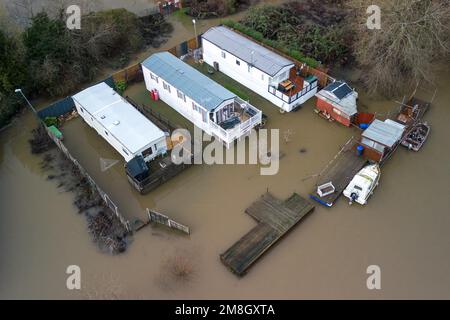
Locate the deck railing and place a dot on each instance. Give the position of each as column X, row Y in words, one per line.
column 240, row 129
column 290, row 99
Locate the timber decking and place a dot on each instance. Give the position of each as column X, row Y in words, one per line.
column 340, row 172
column 275, row 218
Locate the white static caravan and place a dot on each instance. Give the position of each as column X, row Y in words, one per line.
column 265, row 72
column 119, row 123
column 208, row 105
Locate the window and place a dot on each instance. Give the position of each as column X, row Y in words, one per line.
column 262, row 76
column 223, row 54
column 195, row 107
column 238, row 62
column 154, row 77
column 204, row 118
column 181, row 95
column 125, row 151
column 249, row 67
column 147, row 152
column 166, row 86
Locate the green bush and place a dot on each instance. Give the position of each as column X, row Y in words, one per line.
column 121, row 86
column 237, row 91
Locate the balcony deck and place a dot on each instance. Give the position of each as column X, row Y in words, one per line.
column 298, row 82
column 248, row 118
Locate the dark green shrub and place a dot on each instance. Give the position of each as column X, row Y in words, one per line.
column 121, row 86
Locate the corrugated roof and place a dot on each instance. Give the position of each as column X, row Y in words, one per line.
column 185, row 78
column 386, row 133
column 262, row 58
column 132, row 129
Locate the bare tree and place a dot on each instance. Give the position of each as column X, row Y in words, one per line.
column 177, row 270
column 413, row 35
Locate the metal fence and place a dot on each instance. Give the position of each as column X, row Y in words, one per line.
column 66, row 105
column 160, row 218
column 58, row 108
column 107, row 200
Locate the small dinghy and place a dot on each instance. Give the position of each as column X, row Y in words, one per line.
column 415, row 139
column 363, row 184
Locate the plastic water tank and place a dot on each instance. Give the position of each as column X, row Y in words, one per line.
column 359, row 150
column 364, row 126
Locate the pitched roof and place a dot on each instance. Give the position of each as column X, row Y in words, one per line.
column 387, row 133
column 185, row 78
column 247, row 50
column 132, row 129
column 341, row 96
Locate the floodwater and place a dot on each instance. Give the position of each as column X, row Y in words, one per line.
column 403, row 229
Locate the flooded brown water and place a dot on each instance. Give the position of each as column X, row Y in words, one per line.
column 404, row 228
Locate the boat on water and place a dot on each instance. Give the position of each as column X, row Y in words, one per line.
column 412, row 111
column 363, row 184
column 415, row 138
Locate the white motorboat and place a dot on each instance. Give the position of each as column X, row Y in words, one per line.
column 363, row 184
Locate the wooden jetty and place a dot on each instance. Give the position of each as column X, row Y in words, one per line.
column 340, row 171
column 275, row 218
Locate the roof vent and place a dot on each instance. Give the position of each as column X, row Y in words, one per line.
column 116, row 123
column 103, row 117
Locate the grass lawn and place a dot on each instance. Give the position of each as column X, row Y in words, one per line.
column 241, row 91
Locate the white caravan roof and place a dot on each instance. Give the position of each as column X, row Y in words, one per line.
column 120, row 119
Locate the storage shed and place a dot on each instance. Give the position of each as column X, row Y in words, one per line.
column 119, row 123
column 380, row 138
column 337, row 101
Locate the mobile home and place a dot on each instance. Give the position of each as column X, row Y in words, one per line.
column 211, row 107
column 119, row 123
column 337, row 101
column 265, row 72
